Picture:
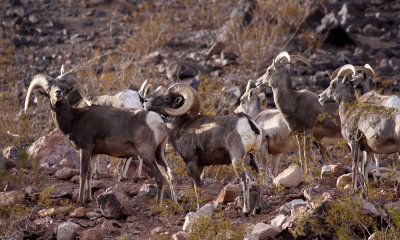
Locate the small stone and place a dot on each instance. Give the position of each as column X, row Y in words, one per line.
column 33, row 19
column 156, row 231
column 66, row 173
column 50, row 212
column 93, row 215
column 79, row 212
column 66, row 230
column 291, row 177
column 180, row 236
column 91, row 234
column 264, row 231
column 278, row 221
column 132, row 218
column 229, row 193
column 11, row 198
column 287, row 207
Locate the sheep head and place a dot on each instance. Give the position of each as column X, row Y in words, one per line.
column 342, row 84
column 250, row 100
column 55, row 89
column 276, row 74
column 178, row 100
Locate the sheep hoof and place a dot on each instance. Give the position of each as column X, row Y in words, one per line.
column 257, row 211
column 120, row 179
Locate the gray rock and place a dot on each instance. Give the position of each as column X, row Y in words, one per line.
column 66, row 173
column 278, row 221
column 67, row 230
column 33, row 19
column 114, row 204
column 287, row 207
column 290, row 177
column 148, row 190
column 263, row 231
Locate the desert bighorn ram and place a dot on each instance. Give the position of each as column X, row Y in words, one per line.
column 204, row 140
column 365, row 126
column 304, row 116
column 106, row 130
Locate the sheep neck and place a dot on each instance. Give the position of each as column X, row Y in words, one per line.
column 63, row 116
column 284, row 97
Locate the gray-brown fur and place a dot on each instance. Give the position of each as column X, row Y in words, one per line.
column 204, row 140
column 300, row 108
column 365, row 126
column 107, row 130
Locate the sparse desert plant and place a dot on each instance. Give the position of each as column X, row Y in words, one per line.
column 216, row 227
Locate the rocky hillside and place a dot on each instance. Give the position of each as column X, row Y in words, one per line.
column 216, row 47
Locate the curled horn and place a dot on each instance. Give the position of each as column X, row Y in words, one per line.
column 281, row 56
column 366, row 69
column 248, row 87
column 347, row 69
column 335, row 73
column 191, row 100
column 39, row 81
column 301, row 59
column 142, row 88
column 73, row 81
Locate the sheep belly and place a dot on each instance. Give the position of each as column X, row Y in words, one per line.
column 115, row 148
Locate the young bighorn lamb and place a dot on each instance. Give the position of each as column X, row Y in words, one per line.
column 369, row 127
column 277, row 138
column 300, row 108
column 204, row 140
column 107, row 130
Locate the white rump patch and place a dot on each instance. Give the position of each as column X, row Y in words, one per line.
column 250, row 140
column 130, row 99
column 392, row 101
column 155, row 122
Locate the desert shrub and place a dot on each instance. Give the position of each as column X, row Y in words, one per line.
column 215, row 227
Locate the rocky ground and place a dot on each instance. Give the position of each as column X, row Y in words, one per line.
column 216, row 46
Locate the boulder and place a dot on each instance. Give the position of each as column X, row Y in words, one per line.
column 79, row 212
column 290, row 177
column 314, row 193
column 11, row 198
column 67, row 230
column 66, row 173
column 289, row 206
column 204, row 211
column 229, row 193
column 278, row 221
column 263, row 231
column 114, row 204
column 52, row 148
column 332, row 170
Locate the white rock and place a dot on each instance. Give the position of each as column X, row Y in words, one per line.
column 263, row 231
column 291, row 177
column 278, row 221
column 66, row 230
column 204, row 211
column 326, row 170
column 287, row 207
column 188, row 220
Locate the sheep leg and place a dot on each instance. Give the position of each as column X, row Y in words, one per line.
column 96, row 174
column 254, row 165
column 195, row 170
column 276, row 158
column 307, row 148
column 85, row 165
column 125, row 168
column 138, row 174
column 151, row 164
column 300, row 142
column 165, row 170
column 93, row 161
column 325, row 155
column 239, row 168
column 355, row 152
column 377, row 176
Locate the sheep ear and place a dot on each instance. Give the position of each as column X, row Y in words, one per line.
column 178, row 100
column 42, row 92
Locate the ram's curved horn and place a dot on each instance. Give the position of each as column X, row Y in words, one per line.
column 302, row 59
column 39, row 81
column 282, row 56
column 191, row 102
column 347, row 69
column 72, row 81
column 335, row 73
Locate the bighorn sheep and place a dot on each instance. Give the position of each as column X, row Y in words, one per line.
column 365, row 126
column 107, row 130
column 364, row 77
column 300, row 108
column 277, row 137
column 124, row 99
column 204, row 140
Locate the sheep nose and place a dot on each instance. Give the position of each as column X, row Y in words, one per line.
column 58, row 93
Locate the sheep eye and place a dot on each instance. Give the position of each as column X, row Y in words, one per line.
column 165, row 99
